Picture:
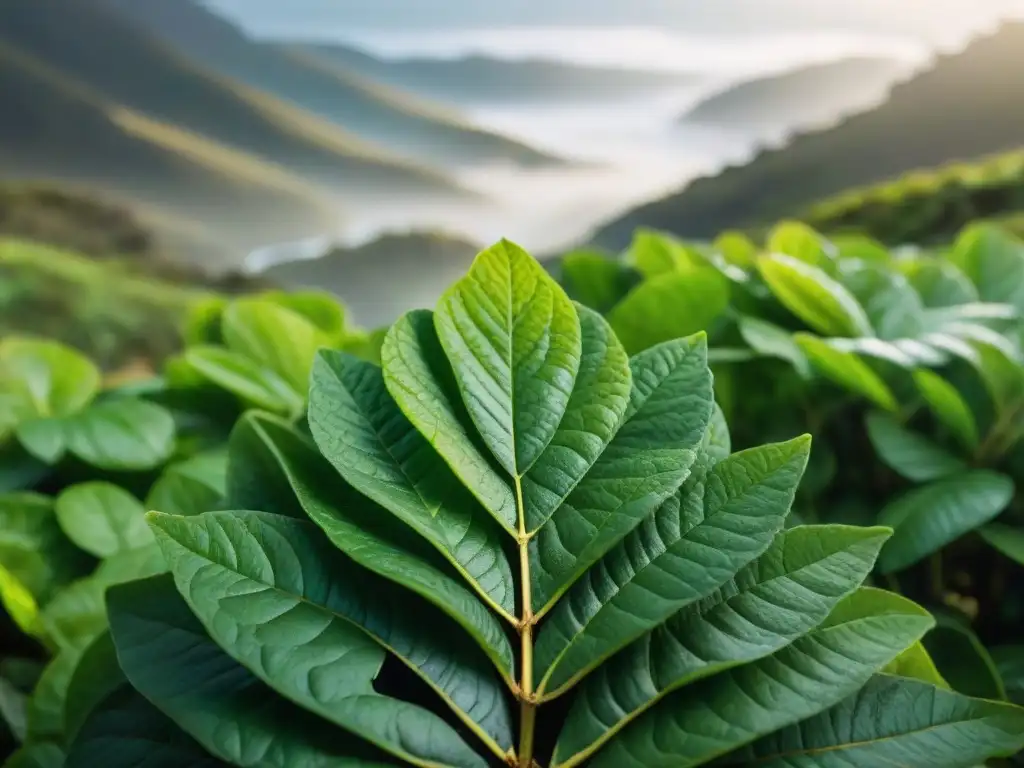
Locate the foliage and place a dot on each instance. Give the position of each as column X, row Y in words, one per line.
column 907, row 368
column 510, row 543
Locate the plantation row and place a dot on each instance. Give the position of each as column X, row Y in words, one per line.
column 551, row 523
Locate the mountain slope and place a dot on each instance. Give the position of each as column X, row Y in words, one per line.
column 134, row 69
column 52, row 129
column 476, row 79
column 811, row 94
column 375, row 113
column 965, row 106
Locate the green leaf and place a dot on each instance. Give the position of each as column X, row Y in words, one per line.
column 47, row 702
column 39, row 755
column 273, row 336
column 645, row 463
column 810, row 294
column 320, row 308
column 654, row 253
column 795, row 239
column 893, row 721
column 58, row 380
column 95, row 677
column 962, row 659
column 860, row 247
column 928, row 518
column 514, row 341
column 862, row 634
column 32, row 546
column 596, row 280
column 1009, row 661
column 123, row 434
column 948, row 406
column 595, row 409
column 246, row 378
column 788, row 591
column 993, row 259
column 940, row 284
column 693, row 544
column 368, row 440
column 772, row 341
column 102, row 518
column 130, row 565
column 737, row 249
column 916, row 663
column 668, row 307
column 43, row 439
column 335, row 621
column 191, row 486
column 296, row 481
column 893, row 307
column 19, row 603
column 126, row 731
column 13, row 713
column 1006, row 539
column 168, row 658
column 914, row 457
column 846, row 369
column 419, row 378
column 75, row 616
column 1003, row 376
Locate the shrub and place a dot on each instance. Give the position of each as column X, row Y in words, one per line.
column 513, row 544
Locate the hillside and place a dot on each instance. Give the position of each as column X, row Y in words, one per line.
column 802, row 97
column 51, row 129
column 364, row 277
column 113, row 57
column 375, row 113
column 967, row 105
column 480, row 79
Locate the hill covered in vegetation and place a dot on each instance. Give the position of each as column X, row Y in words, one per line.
column 966, row 105
column 376, row 113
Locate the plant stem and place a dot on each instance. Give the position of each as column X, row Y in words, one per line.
column 528, row 703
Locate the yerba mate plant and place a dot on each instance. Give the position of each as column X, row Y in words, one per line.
column 511, row 544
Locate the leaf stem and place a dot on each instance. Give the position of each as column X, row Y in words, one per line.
column 527, row 699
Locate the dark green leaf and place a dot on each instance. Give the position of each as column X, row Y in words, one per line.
column 913, row 456
column 962, row 659
column 1008, row 540
column 96, row 676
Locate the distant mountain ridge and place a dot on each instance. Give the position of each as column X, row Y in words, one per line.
column 475, row 79
column 801, row 96
column 966, row 105
column 376, row 113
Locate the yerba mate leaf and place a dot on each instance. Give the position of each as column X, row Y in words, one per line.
column 680, row 554
column 316, row 628
column 645, row 463
column 167, row 657
column 696, row 724
column 893, row 721
column 512, row 337
column 419, row 378
column 785, row 593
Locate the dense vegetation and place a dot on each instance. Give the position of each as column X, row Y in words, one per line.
column 928, row 120
column 463, row 540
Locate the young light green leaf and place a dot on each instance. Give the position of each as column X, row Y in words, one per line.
column 320, row 308
column 1006, row 539
column 168, row 658
column 773, row 341
column 654, row 253
column 948, row 406
column 721, row 520
column 863, row 633
column 928, row 518
column 244, row 377
column 737, row 249
column 297, row 481
column 122, row 434
column 596, row 407
column 363, row 433
column 786, row 592
column 645, row 463
column 513, row 339
column 917, row 664
column 669, row 306
column 102, row 518
column 126, row 731
column 797, row 240
column 191, row 486
column 893, row 721
column 596, row 280
column 43, row 439
column 993, row 259
column 420, row 379
column 58, row 380
column 335, row 621
column 810, row 294
column 846, row 369
column 19, row 603
column 908, row 453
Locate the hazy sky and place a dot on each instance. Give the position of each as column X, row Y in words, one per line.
column 927, row 18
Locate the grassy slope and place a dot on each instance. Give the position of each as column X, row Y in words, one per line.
column 966, row 106
column 53, row 129
column 135, row 69
column 812, row 92
column 929, row 206
column 376, row 113
column 475, row 78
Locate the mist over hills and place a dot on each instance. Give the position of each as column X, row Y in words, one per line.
column 966, row 105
